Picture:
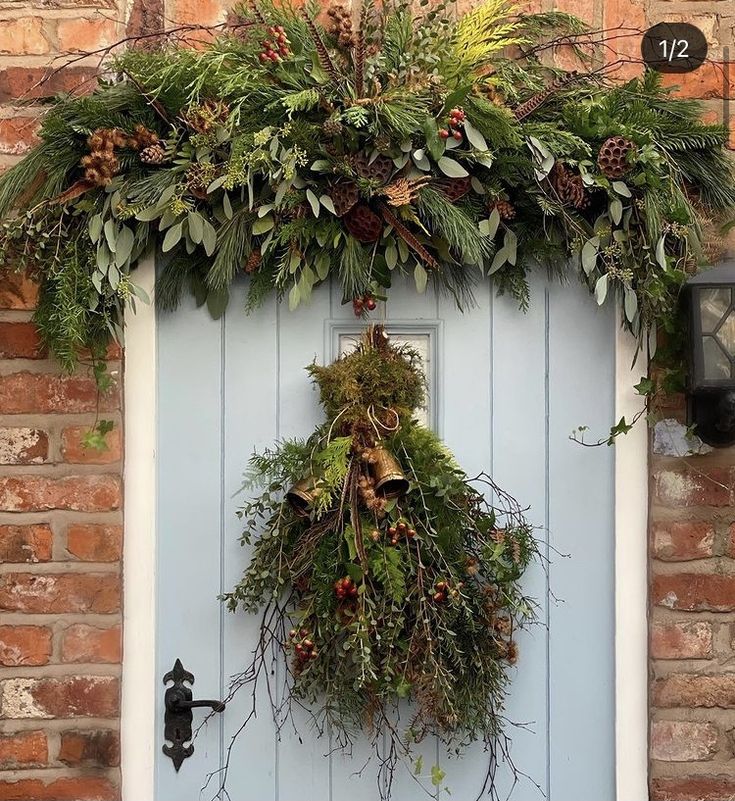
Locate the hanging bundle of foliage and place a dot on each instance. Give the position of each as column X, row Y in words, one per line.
column 399, row 138
column 386, row 577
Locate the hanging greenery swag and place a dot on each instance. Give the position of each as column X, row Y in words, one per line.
column 295, row 148
column 386, row 579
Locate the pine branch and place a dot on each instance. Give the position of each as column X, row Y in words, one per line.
column 324, row 58
column 409, row 238
column 535, row 102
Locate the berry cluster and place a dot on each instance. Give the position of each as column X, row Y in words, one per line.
column 345, row 589
column 400, row 530
column 365, row 302
column 456, row 120
column 278, row 49
column 442, row 591
column 303, row 646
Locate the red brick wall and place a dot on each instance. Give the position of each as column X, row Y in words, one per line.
column 60, row 504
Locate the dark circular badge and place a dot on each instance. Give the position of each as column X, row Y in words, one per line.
column 674, row 47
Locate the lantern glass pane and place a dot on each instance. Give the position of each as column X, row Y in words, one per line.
column 716, row 363
column 726, row 334
column 713, row 305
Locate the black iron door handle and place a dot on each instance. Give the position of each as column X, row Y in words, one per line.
column 178, row 717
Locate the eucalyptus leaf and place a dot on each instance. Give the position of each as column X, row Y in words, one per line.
column 110, row 234
column 227, row 206
column 313, row 202
column 263, row 225
column 173, row 235
column 391, row 256
column 196, row 226
column 124, row 245
column 616, row 211
column 474, row 137
column 661, row 253
column 451, row 168
column 328, row 204
column 294, row 297
column 217, row 302
column 631, row 304
column 421, row 277
column 94, row 227
column 209, row 237
column 601, row 289
column 590, row 250
column 621, row 188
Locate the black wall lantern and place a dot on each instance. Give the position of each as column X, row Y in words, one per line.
column 712, row 372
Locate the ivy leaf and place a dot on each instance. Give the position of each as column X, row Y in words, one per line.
column 313, row 202
column 474, row 137
column 601, row 289
column 437, row 775
column 645, row 386
column 589, row 254
column 421, row 277
column 631, row 304
column 173, row 235
column 451, row 168
column 96, row 437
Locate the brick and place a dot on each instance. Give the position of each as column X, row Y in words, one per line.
column 694, row 690
column 74, row 451
column 17, row 291
column 18, row 135
column 98, row 748
column 681, row 640
column 694, row 488
column 24, row 645
column 23, row 446
column 94, row 543
column 689, row 788
column 146, row 17
column 32, row 493
column 20, row 341
column 60, row 592
column 34, row 83
column 78, row 34
column 683, row 741
column 694, row 592
column 64, row 697
column 624, row 20
column 78, row 788
column 23, row 36
column 38, row 393
column 705, row 83
column 23, row 749
column 683, row 540
column 82, row 643
column 26, row 543
column 731, row 541
column 198, row 12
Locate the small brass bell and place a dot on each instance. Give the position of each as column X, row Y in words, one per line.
column 302, row 495
column 389, row 479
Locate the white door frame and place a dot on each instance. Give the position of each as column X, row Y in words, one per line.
column 139, row 739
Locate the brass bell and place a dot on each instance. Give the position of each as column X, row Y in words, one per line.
column 389, row 479
column 302, row 495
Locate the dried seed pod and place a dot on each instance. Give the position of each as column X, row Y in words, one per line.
column 613, row 157
column 363, row 223
column 344, row 196
column 380, row 169
column 454, row 188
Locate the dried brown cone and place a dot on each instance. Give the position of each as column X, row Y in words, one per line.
column 142, row 138
column 505, row 209
column 253, row 261
column 155, row 154
column 340, row 26
column 363, row 223
column 100, row 167
column 569, row 187
column 344, row 197
column 332, row 127
column 454, row 188
column 613, row 157
column 380, row 169
column 106, row 139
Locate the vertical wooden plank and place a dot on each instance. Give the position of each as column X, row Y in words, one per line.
column 250, row 402
column 303, row 761
column 189, row 527
column 581, row 524
column 519, row 467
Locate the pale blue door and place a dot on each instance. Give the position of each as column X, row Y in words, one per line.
column 507, row 389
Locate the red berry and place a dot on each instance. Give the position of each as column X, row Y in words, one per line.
column 303, row 632
column 444, row 133
column 438, row 597
column 402, row 527
column 392, row 531
column 440, row 585
column 267, row 44
column 313, row 655
column 457, row 135
column 263, row 58
column 308, row 644
column 371, row 304
column 279, row 29
column 394, row 541
column 292, row 633
column 299, row 649
column 274, row 57
column 411, row 533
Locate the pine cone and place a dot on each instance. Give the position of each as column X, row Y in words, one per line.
column 253, row 261
column 379, row 170
column 340, row 26
column 344, row 196
column 613, row 157
column 363, row 223
column 332, row 128
column 505, row 209
column 155, row 154
column 454, row 188
column 569, row 187
column 142, row 138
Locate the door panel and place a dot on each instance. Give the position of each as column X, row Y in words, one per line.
column 507, row 390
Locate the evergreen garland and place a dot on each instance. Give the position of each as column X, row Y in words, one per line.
column 403, row 140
